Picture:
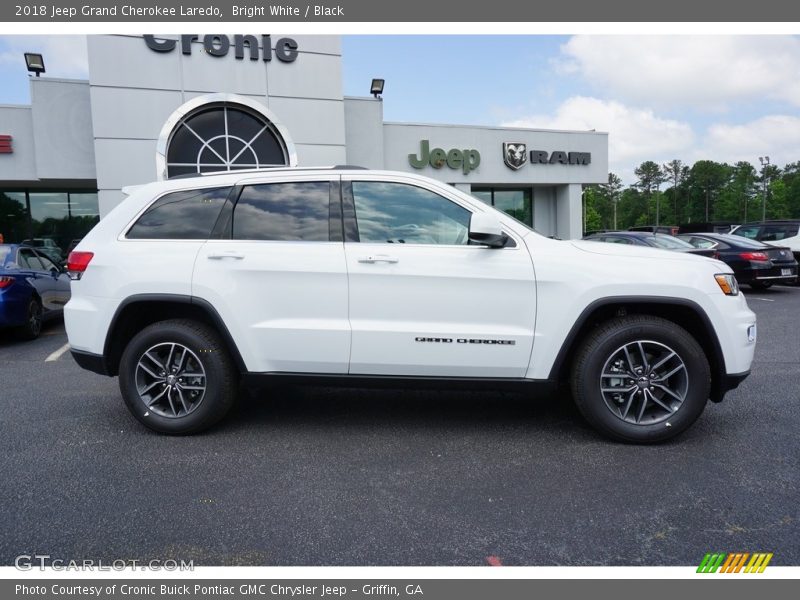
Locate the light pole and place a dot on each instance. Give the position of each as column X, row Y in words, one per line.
column 764, row 160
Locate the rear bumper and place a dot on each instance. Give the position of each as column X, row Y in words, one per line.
column 96, row 363
column 774, row 274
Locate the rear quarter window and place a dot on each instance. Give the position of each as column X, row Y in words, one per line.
column 184, row 215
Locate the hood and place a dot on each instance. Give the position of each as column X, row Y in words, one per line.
column 630, row 251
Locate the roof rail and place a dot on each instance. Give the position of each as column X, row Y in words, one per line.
column 267, row 169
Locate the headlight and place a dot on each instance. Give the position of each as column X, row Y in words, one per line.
column 727, row 283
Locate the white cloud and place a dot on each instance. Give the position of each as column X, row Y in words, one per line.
column 64, row 55
column 777, row 136
column 704, row 72
column 635, row 134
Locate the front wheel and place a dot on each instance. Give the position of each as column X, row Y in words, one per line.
column 176, row 377
column 640, row 379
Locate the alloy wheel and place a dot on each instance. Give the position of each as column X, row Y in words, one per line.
column 644, row 382
column 170, row 380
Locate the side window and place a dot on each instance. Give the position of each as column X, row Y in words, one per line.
column 185, row 215
column 397, row 213
column 618, row 240
column 47, row 264
column 774, row 233
column 701, row 242
column 29, row 260
column 750, row 233
column 296, row 211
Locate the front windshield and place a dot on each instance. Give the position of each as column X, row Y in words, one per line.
column 669, row 242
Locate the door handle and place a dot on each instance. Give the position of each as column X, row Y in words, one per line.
column 226, row 254
column 378, row 258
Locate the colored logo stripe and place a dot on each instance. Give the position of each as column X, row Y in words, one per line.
column 734, row 562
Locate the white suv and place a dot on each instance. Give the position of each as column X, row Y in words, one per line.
column 344, row 275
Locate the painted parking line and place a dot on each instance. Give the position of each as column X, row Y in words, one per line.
column 762, row 299
column 57, row 354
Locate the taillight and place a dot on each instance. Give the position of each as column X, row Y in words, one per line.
column 5, row 282
column 77, row 263
column 754, row 256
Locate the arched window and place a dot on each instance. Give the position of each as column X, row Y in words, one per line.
column 223, row 136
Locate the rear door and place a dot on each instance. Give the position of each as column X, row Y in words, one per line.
column 276, row 274
column 423, row 301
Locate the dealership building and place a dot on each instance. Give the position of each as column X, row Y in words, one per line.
column 156, row 107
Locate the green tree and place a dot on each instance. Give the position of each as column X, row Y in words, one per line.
column 650, row 177
column 707, row 178
column 675, row 172
column 611, row 192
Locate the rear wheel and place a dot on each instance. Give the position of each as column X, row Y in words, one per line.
column 33, row 324
column 760, row 285
column 640, row 379
column 176, row 377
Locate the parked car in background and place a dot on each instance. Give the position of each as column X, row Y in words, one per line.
column 778, row 233
column 72, row 245
column 755, row 263
column 49, row 248
column 654, row 240
column 668, row 229
column 32, row 289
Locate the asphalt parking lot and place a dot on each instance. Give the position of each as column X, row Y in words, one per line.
column 316, row 476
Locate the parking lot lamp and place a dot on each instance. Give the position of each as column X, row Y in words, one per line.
column 765, row 180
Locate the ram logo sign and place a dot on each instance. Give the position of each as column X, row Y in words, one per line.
column 515, row 155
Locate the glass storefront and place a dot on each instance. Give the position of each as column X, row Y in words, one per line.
column 57, row 218
column 514, row 202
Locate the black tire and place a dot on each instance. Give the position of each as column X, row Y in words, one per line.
column 760, row 285
column 33, row 326
column 609, row 413
column 180, row 410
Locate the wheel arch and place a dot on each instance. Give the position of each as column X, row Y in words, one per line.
column 138, row 311
column 681, row 311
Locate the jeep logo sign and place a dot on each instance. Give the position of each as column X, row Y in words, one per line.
column 219, row 45
column 515, row 156
column 467, row 160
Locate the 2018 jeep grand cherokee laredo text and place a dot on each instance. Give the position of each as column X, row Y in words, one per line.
column 340, row 274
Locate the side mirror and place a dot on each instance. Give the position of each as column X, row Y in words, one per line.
column 484, row 229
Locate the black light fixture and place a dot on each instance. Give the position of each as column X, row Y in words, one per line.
column 35, row 63
column 377, row 87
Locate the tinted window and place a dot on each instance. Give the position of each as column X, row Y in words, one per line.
column 186, row 215
column 283, row 212
column 774, row 233
column 28, row 260
column 618, row 240
column 748, row 232
column 406, row 214
column 669, row 242
column 47, row 263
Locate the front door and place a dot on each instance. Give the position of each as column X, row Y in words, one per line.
column 423, row 300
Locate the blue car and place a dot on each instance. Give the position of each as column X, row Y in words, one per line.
column 32, row 289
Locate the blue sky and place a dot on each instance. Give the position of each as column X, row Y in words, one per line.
column 660, row 97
